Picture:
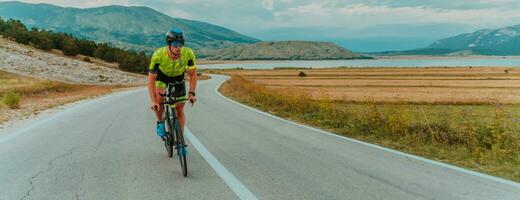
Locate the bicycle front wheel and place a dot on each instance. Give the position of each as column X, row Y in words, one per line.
column 169, row 140
column 182, row 149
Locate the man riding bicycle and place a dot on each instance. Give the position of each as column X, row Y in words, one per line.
column 168, row 66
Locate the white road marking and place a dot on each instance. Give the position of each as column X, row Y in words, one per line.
column 236, row 186
column 478, row 174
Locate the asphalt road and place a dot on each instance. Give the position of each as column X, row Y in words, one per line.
column 107, row 149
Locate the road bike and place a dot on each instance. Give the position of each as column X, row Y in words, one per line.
column 174, row 137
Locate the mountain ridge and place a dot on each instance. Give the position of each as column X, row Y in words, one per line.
column 282, row 50
column 503, row 41
column 135, row 27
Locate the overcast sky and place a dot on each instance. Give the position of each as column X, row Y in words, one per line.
column 263, row 18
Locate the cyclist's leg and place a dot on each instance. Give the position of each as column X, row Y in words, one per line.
column 179, row 107
column 161, row 89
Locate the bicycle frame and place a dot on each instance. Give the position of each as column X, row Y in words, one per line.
column 174, row 139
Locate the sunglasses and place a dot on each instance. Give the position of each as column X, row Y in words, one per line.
column 176, row 44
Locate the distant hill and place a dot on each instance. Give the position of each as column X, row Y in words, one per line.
column 284, row 50
column 140, row 28
column 500, row 42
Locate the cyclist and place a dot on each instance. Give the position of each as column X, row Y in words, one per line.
column 168, row 65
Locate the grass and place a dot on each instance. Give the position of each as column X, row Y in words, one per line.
column 12, row 99
column 484, row 138
column 32, row 95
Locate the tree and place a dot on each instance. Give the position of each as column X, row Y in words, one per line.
column 17, row 31
column 44, row 43
column 86, row 47
column 70, row 48
column 3, row 25
column 41, row 39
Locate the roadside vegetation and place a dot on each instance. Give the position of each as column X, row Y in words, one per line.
column 24, row 96
column 71, row 46
column 479, row 135
column 12, row 99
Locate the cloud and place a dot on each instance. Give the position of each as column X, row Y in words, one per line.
column 362, row 15
column 259, row 16
column 268, row 4
column 253, row 15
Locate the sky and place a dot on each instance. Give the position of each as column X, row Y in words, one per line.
column 361, row 25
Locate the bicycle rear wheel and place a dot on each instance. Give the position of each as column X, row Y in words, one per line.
column 181, row 148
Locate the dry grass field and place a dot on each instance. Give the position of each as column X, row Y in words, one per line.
column 468, row 117
column 37, row 94
column 476, row 85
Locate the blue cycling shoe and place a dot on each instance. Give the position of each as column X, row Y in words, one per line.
column 161, row 130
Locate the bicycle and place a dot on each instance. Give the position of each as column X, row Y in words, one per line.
column 174, row 136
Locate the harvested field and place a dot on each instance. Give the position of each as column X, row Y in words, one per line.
column 459, row 85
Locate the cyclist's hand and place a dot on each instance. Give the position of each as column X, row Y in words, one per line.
column 155, row 106
column 192, row 99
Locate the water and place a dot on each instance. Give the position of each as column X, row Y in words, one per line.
column 432, row 62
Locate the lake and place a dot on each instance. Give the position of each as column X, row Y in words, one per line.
column 429, row 62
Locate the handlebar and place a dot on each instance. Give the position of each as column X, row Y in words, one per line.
column 169, row 102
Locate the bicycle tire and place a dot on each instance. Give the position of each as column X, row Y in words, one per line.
column 169, row 140
column 181, row 148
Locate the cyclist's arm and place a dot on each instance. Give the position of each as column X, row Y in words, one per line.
column 152, row 90
column 193, row 79
column 192, row 72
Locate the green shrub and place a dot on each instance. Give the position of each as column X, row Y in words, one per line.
column 12, row 99
column 87, row 59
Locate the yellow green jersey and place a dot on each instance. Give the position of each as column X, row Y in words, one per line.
column 171, row 67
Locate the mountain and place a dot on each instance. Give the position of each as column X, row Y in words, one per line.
column 283, row 50
column 499, row 42
column 502, row 41
column 135, row 27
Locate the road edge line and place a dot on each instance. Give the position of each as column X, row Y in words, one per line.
column 445, row 165
column 231, row 181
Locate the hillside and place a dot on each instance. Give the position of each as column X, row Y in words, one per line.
column 133, row 27
column 491, row 42
column 284, row 50
column 502, row 41
column 28, row 61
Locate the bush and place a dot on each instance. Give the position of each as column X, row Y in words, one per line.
column 302, row 74
column 12, row 99
column 70, row 47
column 87, row 59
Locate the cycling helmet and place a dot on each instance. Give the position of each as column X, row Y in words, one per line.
column 175, row 37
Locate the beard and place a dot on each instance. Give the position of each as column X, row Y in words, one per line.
column 174, row 52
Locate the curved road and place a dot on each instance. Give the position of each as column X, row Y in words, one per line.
column 106, row 149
